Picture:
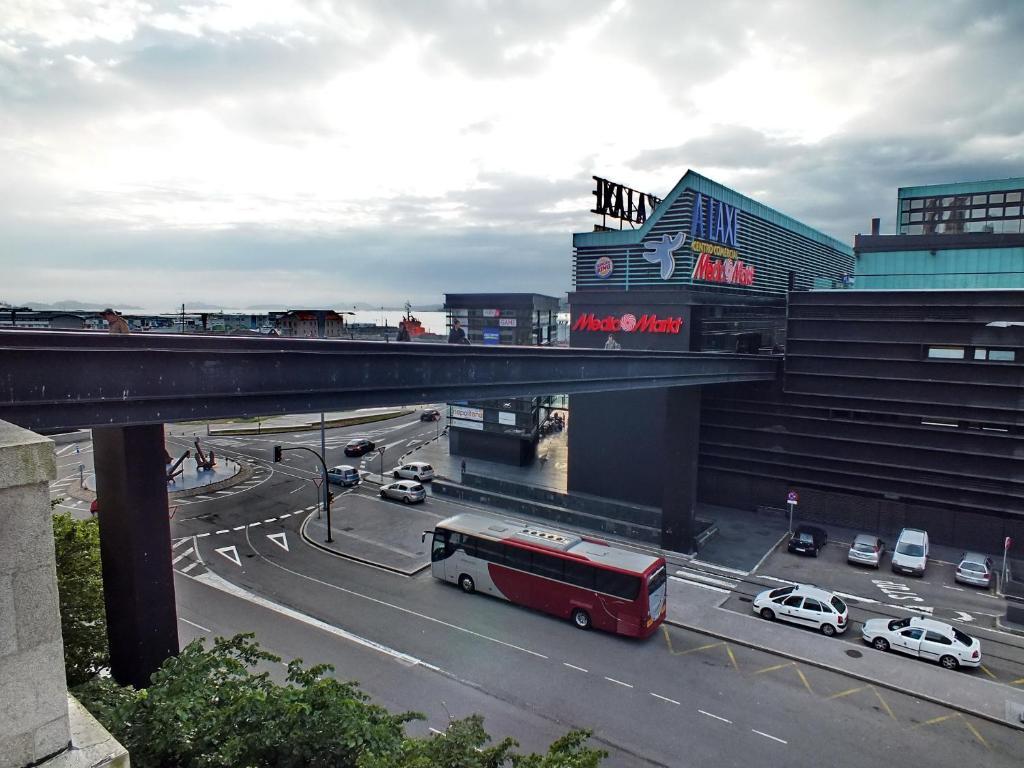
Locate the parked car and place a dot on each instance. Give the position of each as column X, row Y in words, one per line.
column 911, row 552
column 359, row 446
column 866, row 550
column 805, row 605
column 344, row 475
column 414, row 470
column 807, row 539
column 430, row 414
column 925, row 638
column 974, row 568
column 407, row 491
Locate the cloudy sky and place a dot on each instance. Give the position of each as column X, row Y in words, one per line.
column 285, row 152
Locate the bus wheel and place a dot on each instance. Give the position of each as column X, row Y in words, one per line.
column 466, row 582
column 581, row 618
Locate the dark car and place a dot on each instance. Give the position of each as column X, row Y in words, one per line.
column 807, row 539
column 430, row 414
column 359, row 447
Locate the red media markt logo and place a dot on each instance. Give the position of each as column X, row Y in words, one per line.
column 627, row 322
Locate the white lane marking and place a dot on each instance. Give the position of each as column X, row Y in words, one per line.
column 407, row 611
column 618, row 682
column 773, row 578
column 224, row 493
column 270, row 520
column 958, row 589
column 231, row 553
column 281, row 539
column 180, row 541
column 189, row 567
column 573, row 666
column 858, row 598
column 286, row 514
column 65, row 449
column 201, row 535
column 252, row 525
column 715, row 716
column 212, row 580
column 663, row 698
column 702, row 586
column 200, row 627
column 204, row 498
column 296, row 490
column 690, row 576
column 769, row 736
column 737, row 571
column 238, row 528
column 182, row 556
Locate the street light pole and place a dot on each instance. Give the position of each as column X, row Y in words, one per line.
column 382, row 463
column 327, row 496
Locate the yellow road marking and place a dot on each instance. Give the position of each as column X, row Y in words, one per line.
column 987, row 672
column 974, row 730
column 674, row 652
column 732, row 658
column 935, row 720
column 885, row 704
column 807, row 685
column 777, row 666
column 699, row 648
column 845, row 693
column 1018, row 681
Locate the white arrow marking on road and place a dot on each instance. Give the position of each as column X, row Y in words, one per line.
column 280, row 539
column 231, row 553
column 961, row 616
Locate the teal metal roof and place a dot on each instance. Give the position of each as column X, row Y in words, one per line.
column 962, row 188
column 693, row 180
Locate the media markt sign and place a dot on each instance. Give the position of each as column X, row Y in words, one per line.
column 628, row 323
column 717, row 261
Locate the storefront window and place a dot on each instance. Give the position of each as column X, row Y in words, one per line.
column 946, row 353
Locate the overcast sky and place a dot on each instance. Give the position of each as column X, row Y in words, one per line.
column 286, row 153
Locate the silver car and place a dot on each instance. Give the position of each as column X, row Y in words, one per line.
column 406, row 491
column 974, row 568
column 866, row 550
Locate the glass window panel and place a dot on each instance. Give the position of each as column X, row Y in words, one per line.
column 518, row 558
column 977, row 213
column 618, row 584
column 947, row 353
column 1013, row 210
column 903, row 229
column 548, row 566
column 1013, row 226
column 915, row 229
column 995, row 211
column 916, row 204
column 996, row 197
column 580, row 574
column 905, row 218
column 1013, row 197
column 948, row 201
column 491, row 551
column 978, row 200
column 904, row 205
column 917, row 216
column 980, row 354
column 1002, row 355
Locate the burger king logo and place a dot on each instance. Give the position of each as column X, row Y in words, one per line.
column 604, row 267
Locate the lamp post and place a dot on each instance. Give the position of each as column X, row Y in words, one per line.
column 278, row 450
column 382, row 463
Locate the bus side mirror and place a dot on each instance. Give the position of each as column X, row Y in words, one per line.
column 423, row 538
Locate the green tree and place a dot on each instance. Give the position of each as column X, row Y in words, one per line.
column 211, row 709
column 83, row 620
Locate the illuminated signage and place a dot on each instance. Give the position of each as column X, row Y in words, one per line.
column 474, row 414
column 628, row 323
column 604, row 267
column 731, row 271
column 712, row 219
column 663, row 252
column 507, row 322
column 621, row 202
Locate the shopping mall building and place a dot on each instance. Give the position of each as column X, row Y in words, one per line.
column 900, row 394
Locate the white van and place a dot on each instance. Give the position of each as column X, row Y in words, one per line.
column 911, row 552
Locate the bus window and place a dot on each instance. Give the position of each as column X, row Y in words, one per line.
column 580, row 574
column 618, row 584
column 438, row 549
column 518, row 558
column 491, row 551
column 548, row 566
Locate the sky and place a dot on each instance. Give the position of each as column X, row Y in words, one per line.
column 290, row 153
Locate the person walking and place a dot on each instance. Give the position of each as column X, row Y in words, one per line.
column 612, row 343
column 457, row 335
column 115, row 323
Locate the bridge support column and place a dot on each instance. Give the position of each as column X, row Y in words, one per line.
column 135, row 545
column 681, row 446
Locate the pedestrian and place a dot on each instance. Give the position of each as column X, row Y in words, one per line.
column 612, row 343
column 457, row 335
column 403, row 332
column 463, row 467
column 115, row 323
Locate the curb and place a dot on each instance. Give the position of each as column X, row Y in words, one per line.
column 847, row 673
column 347, row 422
column 353, row 558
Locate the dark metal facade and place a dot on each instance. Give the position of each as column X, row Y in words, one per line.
column 893, row 411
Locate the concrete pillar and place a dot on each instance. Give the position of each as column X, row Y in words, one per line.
column 135, row 546
column 33, row 694
column 681, row 448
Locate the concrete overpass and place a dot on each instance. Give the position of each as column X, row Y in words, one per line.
column 127, row 387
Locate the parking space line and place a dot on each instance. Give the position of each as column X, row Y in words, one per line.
column 988, row 672
column 974, row 730
column 732, row 658
column 847, row 692
column 958, row 589
column 803, row 678
column 775, row 667
column 1018, row 681
column 884, row 703
column 935, row 720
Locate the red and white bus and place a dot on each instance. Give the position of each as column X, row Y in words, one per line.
column 574, row 577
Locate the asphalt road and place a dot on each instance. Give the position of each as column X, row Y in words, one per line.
column 676, row 699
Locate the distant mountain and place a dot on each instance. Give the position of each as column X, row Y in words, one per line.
column 70, row 305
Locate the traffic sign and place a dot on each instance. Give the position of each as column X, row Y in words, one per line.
column 319, row 481
column 793, row 497
column 1007, row 544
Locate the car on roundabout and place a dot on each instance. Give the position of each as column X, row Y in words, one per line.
column 343, row 475
column 925, row 638
column 359, row 446
column 430, row 414
column 414, row 470
column 804, row 605
column 406, row 491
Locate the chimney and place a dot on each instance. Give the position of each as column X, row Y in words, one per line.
column 876, row 225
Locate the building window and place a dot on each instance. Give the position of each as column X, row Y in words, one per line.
column 978, row 200
column 1013, row 197
column 980, row 354
column 1002, row 355
column 916, row 204
column 946, row 353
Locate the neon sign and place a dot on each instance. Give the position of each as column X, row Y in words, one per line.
column 628, row 323
column 714, row 221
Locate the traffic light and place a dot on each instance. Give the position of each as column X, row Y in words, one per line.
column 277, row 453
column 330, row 497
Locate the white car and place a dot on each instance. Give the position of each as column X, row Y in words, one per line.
column 926, row 638
column 406, row 491
column 414, row 470
column 911, row 552
column 805, row 605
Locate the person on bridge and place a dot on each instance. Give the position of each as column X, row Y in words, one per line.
column 612, row 343
column 457, row 335
column 115, row 323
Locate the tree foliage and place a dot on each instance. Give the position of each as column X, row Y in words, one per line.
column 211, row 708
column 83, row 620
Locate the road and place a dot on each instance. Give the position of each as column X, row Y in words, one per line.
column 676, row 699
